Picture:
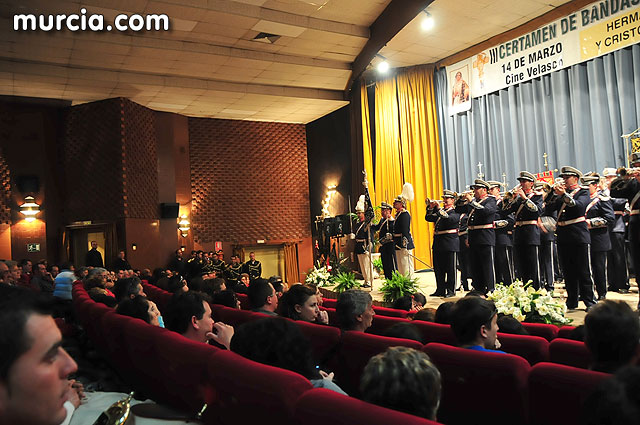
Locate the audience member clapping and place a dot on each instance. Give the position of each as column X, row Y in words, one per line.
column 403, row 379
column 612, row 334
column 300, row 303
column 355, row 310
column 280, row 343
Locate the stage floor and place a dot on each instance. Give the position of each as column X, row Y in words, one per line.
column 427, row 285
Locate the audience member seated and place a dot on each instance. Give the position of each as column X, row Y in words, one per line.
column 227, row 298
column 26, row 273
column 213, row 286
column 355, row 310
column 4, row 272
column 34, row 368
column 96, row 288
column 616, row 401
column 476, row 293
column 42, row 279
column 443, row 313
column 300, row 303
column 280, row 343
column 426, row 315
column 419, row 301
column 278, row 285
column 141, row 308
column 404, row 303
column 318, row 293
column 509, row 325
column 404, row 330
column 14, row 273
column 577, row 334
column 189, row 314
column 196, row 283
column 159, row 278
column 262, row 297
column 129, row 287
column 54, row 270
column 475, row 324
column 403, row 379
column 177, row 284
column 243, row 284
column 612, row 335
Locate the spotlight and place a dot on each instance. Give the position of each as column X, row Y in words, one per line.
column 383, row 67
column 427, row 22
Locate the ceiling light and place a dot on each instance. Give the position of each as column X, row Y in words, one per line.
column 383, row 67
column 427, row 22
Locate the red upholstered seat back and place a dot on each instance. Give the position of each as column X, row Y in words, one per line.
column 534, row 349
column 244, row 301
column 232, row 316
column 381, row 323
column 355, row 350
column 252, row 393
column 569, row 352
column 324, row 340
column 565, row 332
column 480, row 387
column 570, row 385
column 548, row 332
column 157, row 295
column 333, row 316
column 323, row 407
column 329, row 302
column 436, row 332
column 391, row 312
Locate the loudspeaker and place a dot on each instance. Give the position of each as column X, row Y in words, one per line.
column 342, row 224
column 169, row 210
column 27, row 184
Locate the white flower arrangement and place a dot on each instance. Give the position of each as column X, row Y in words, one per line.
column 318, row 276
column 527, row 304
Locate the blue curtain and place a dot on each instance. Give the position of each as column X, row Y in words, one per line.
column 575, row 115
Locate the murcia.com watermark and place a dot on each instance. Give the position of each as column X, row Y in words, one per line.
column 91, row 22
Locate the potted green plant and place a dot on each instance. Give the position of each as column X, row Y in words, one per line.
column 398, row 286
column 345, row 281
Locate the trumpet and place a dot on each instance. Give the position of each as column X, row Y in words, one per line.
column 433, row 202
column 558, row 184
column 509, row 196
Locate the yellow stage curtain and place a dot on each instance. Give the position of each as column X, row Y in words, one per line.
column 388, row 178
column 408, row 149
column 366, row 141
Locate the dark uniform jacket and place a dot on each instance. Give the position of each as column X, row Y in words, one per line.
column 504, row 225
column 253, row 269
column 527, row 211
column 619, row 205
column 219, row 266
column 384, row 227
column 599, row 214
column 629, row 188
column 446, row 221
column 575, row 204
column 481, row 213
column 94, row 258
column 401, row 231
column 548, row 212
column 233, row 272
column 363, row 238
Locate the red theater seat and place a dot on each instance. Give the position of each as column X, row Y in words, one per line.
column 234, row 317
column 565, row 332
column 391, row 312
column 329, row 302
column 252, row 393
column 548, row 332
column 355, row 350
column 324, row 407
column 436, row 332
column 558, row 392
column 480, row 387
column 381, row 323
column 333, row 317
column 244, row 301
column 324, row 340
column 569, row 352
column 157, row 295
column 533, row 348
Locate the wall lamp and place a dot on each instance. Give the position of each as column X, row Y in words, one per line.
column 184, row 225
column 29, row 209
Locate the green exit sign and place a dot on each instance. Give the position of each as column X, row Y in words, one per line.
column 33, row 247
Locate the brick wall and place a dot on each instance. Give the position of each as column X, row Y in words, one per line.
column 5, row 191
column 93, row 161
column 249, row 181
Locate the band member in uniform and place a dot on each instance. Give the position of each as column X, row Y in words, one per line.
column 527, row 207
column 253, row 267
column 617, row 272
column 628, row 186
column 504, row 226
column 548, row 253
column 385, row 236
column 445, row 243
column 363, row 243
column 599, row 215
column 482, row 239
column 234, row 270
column 402, row 231
column 463, row 255
column 573, row 236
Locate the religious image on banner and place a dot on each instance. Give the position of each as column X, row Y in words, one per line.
column 459, row 88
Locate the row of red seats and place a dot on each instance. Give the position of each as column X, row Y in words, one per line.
column 184, row 374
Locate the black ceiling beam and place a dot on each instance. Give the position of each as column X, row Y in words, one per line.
column 393, row 18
